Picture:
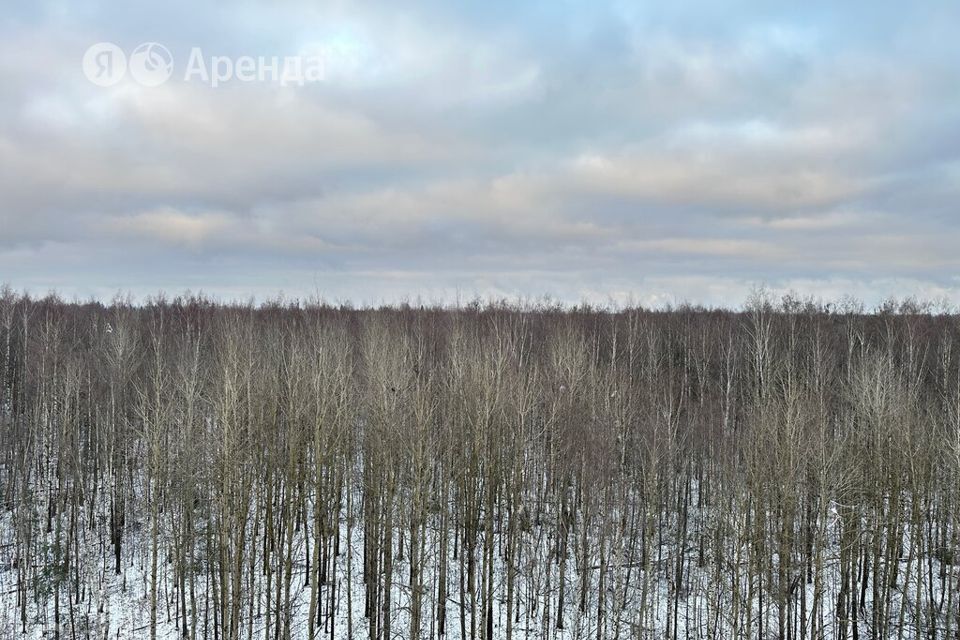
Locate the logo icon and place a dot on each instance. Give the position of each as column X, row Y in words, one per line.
column 104, row 64
column 151, row 64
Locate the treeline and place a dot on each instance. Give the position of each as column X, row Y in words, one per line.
column 183, row 468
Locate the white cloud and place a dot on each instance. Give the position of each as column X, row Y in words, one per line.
column 592, row 153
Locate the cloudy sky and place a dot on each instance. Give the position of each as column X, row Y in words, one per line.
column 600, row 151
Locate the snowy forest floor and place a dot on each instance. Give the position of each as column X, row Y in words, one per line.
column 108, row 606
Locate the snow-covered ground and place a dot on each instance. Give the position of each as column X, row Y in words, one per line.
column 637, row 600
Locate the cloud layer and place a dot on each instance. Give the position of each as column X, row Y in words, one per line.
column 602, row 152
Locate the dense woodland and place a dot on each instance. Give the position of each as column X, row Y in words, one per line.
column 183, row 468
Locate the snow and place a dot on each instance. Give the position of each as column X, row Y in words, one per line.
column 117, row 606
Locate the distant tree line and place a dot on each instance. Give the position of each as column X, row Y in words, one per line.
column 301, row 470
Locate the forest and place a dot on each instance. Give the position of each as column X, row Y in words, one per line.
column 187, row 468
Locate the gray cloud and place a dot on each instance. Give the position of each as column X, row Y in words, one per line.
column 598, row 153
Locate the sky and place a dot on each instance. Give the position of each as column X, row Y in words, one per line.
column 603, row 152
